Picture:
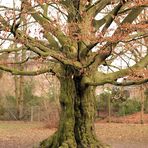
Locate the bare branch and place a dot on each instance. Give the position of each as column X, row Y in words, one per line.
column 99, row 78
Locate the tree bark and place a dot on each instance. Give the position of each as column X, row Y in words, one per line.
column 17, row 89
column 76, row 126
column 85, row 111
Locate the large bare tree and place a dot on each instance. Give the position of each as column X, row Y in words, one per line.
column 76, row 40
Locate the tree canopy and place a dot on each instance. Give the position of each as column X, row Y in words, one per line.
column 82, row 34
column 84, row 43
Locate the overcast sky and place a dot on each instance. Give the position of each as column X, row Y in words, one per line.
column 9, row 3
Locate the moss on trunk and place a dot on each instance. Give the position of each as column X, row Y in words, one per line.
column 76, row 127
column 85, row 115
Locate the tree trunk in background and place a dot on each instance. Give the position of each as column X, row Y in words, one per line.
column 21, row 100
column 21, row 88
column 142, row 104
column 109, row 108
column 16, row 79
column 19, row 80
column 17, row 94
column 76, row 126
column 19, row 83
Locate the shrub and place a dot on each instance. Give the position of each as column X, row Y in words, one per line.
column 102, row 103
column 129, row 107
column 29, row 98
column 146, row 105
column 2, row 110
column 119, row 106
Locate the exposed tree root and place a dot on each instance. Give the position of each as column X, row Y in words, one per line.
column 53, row 142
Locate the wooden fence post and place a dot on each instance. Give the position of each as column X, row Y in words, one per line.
column 31, row 118
column 109, row 108
column 142, row 104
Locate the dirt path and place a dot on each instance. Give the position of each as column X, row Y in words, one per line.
column 25, row 135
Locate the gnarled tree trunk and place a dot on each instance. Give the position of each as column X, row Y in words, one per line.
column 76, row 127
column 85, row 109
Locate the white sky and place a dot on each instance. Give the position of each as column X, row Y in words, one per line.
column 9, row 2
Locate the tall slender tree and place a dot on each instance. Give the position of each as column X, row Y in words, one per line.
column 76, row 39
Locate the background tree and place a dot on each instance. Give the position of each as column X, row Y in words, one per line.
column 19, row 80
column 75, row 40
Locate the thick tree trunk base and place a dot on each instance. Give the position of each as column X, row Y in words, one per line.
column 49, row 143
column 76, row 126
column 53, row 142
